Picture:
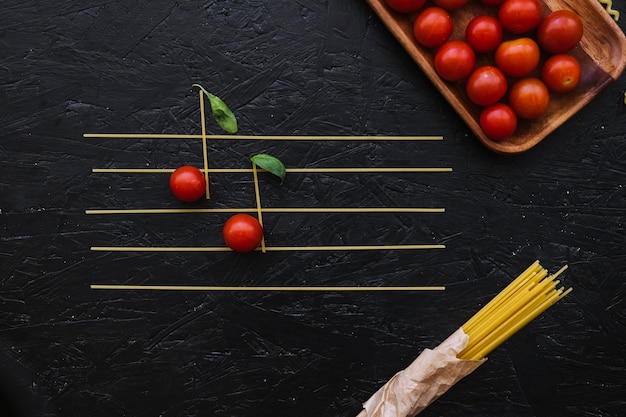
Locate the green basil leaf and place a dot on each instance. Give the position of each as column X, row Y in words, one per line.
column 221, row 113
column 270, row 164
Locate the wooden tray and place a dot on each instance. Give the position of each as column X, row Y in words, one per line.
column 602, row 55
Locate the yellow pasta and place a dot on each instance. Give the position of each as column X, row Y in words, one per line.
column 501, row 297
column 608, row 5
column 530, row 294
column 205, row 155
column 434, row 371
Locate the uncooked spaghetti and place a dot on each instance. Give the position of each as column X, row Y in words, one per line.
column 608, row 5
column 529, row 295
column 434, row 371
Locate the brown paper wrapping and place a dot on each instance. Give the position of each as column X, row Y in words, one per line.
column 430, row 375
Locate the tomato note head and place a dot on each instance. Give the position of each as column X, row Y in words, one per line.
column 187, row 183
column 242, row 233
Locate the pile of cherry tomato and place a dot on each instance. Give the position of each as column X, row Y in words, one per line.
column 529, row 56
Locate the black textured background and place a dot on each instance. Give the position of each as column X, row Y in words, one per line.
column 286, row 67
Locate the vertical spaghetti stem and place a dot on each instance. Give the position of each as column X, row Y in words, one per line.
column 205, row 153
column 257, row 195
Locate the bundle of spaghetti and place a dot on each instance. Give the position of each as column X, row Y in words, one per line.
column 434, row 371
column 529, row 295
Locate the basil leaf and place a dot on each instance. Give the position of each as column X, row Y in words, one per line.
column 221, row 113
column 270, row 164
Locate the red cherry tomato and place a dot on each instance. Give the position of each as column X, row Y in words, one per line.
column 517, row 57
column 455, row 60
column 432, row 27
column 492, row 2
column 520, row 16
column 529, row 97
column 187, row 183
column 450, row 4
column 242, row 233
column 498, row 121
column 406, row 6
column 560, row 31
column 486, row 85
column 561, row 73
column 484, row 33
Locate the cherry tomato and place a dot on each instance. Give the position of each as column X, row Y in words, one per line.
column 498, row 121
column 486, row 85
column 432, row 27
column 484, row 33
column 529, row 97
column 561, row 73
column 492, row 2
column 520, row 16
column 406, row 6
column 455, row 60
column 242, row 233
column 450, row 4
column 560, row 31
column 517, row 57
column 187, row 183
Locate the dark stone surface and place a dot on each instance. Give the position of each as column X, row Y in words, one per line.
column 286, row 68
